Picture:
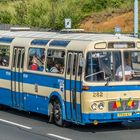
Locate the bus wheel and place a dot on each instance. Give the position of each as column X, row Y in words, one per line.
column 51, row 112
column 58, row 113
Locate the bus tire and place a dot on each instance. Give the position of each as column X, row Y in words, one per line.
column 51, row 112
column 57, row 113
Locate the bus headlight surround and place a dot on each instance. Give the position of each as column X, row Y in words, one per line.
column 101, row 105
column 94, row 106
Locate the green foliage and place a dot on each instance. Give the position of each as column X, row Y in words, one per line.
column 99, row 5
column 63, row 12
column 115, row 4
column 51, row 13
column 37, row 14
column 5, row 17
column 20, row 13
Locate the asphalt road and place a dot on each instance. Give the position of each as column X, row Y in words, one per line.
column 19, row 125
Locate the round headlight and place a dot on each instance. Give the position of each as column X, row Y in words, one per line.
column 101, row 105
column 94, row 106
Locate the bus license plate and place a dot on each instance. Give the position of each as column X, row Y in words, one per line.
column 124, row 114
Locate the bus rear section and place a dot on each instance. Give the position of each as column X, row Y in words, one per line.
column 111, row 89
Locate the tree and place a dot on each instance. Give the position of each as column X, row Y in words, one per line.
column 21, row 11
column 5, row 17
column 53, row 13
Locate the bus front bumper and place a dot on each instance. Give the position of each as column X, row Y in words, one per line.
column 111, row 117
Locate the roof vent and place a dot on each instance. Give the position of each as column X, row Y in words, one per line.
column 20, row 29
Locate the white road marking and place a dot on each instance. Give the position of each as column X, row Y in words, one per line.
column 15, row 124
column 60, row 137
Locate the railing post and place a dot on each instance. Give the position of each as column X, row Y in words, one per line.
column 136, row 18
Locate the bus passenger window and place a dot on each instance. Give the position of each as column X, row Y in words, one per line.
column 36, row 59
column 4, row 56
column 74, row 63
column 80, row 64
column 69, row 63
column 19, row 56
column 22, row 62
column 55, row 61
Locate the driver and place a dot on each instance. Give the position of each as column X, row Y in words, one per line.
column 127, row 71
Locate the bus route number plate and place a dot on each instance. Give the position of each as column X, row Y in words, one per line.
column 124, row 114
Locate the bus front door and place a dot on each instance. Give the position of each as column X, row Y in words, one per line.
column 73, row 86
column 17, row 77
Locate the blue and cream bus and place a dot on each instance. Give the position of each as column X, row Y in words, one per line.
column 73, row 77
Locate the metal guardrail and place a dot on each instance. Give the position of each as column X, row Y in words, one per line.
column 5, row 26
column 18, row 27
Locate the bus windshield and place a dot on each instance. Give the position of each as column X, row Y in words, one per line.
column 110, row 65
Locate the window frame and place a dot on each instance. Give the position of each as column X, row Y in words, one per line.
column 46, row 63
column 8, row 46
column 27, row 64
column 104, row 50
column 129, row 51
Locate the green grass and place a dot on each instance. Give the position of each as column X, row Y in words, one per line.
column 51, row 13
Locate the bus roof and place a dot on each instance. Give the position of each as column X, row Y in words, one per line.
column 77, row 39
column 59, row 35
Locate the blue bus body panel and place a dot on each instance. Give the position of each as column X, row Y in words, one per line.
column 39, row 104
column 114, row 88
column 35, row 103
column 5, row 97
column 109, row 117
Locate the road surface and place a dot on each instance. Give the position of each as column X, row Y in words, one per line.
column 19, row 125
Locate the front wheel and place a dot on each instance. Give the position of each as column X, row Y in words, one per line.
column 57, row 112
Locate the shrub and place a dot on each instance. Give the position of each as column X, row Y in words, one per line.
column 5, row 17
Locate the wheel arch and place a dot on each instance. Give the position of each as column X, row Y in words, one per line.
column 55, row 95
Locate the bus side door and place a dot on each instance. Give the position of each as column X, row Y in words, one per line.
column 17, row 77
column 73, row 87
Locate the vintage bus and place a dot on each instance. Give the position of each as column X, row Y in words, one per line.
column 82, row 78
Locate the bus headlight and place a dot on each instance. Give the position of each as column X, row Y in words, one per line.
column 94, row 106
column 101, row 105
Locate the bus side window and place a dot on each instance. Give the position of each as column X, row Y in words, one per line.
column 80, row 64
column 69, row 63
column 19, row 56
column 22, row 63
column 4, row 55
column 36, row 58
column 55, row 61
column 74, row 63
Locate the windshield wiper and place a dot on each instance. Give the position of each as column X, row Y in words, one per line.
column 108, row 79
column 94, row 74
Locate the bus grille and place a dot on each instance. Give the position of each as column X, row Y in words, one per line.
column 123, row 106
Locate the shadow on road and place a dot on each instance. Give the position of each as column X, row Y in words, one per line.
column 87, row 128
column 106, row 127
column 29, row 115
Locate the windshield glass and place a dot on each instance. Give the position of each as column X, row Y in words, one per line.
column 132, row 65
column 108, row 66
column 102, row 66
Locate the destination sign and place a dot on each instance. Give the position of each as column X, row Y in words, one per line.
column 121, row 45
